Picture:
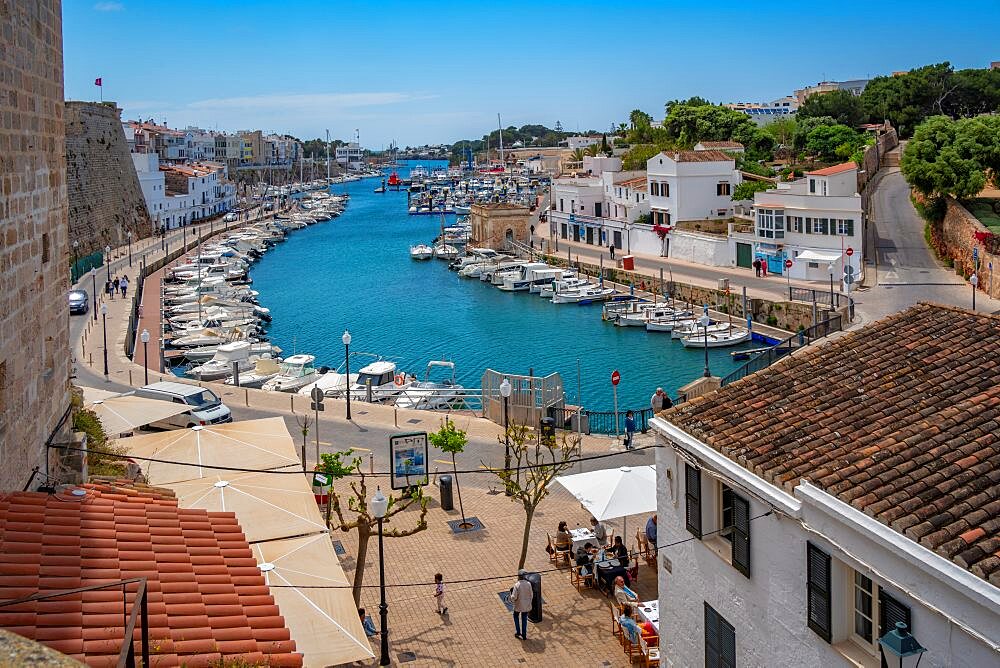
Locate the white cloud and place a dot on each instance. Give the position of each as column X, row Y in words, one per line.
column 109, row 6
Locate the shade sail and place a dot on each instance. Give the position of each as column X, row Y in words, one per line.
column 268, row 505
column 251, row 444
column 323, row 622
column 819, row 256
column 123, row 413
column 611, row 493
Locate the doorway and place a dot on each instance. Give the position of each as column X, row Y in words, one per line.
column 590, row 236
column 744, row 255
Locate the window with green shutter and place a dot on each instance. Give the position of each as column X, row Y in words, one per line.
column 720, row 640
column 890, row 611
column 692, row 499
column 818, row 591
column 741, row 534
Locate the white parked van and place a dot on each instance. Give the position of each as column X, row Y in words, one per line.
column 206, row 407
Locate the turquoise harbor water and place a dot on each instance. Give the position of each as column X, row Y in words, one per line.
column 355, row 273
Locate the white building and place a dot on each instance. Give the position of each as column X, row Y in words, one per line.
column 578, row 211
column 178, row 195
column 350, row 154
column 724, row 146
column 625, row 195
column 200, row 144
column 813, row 222
column 581, row 142
column 691, row 185
column 806, row 509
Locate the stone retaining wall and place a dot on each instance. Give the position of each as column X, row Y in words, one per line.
column 105, row 198
column 954, row 238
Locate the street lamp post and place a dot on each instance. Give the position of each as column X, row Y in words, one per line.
column 830, row 267
column 128, row 235
column 379, row 505
column 505, row 390
column 900, row 643
column 346, row 338
column 93, row 280
column 704, row 321
column 107, row 259
column 76, row 245
column 144, row 337
column 974, row 279
column 104, row 323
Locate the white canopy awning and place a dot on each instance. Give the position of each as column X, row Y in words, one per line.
column 818, row 256
column 611, row 493
column 125, row 413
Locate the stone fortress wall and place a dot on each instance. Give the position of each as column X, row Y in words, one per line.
column 105, row 198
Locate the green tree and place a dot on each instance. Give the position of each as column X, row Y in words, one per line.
column 831, row 141
column 804, row 126
column 338, row 467
column 577, row 155
column 745, row 190
column 639, row 117
column 535, row 462
column 841, row 105
column 781, row 130
column 946, row 157
column 451, row 440
column 690, row 102
column 637, row 155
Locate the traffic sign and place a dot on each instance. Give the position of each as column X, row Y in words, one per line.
column 849, row 251
column 975, row 253
column 317, row 395
column 848, row 270
column 616, row 378
column 788, row 264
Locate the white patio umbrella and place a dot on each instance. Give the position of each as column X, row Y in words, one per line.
column 124, row 413
column 613, row 493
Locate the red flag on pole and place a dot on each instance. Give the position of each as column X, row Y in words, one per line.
column 97, row 81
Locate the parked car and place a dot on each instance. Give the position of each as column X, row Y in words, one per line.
column 206, row 407
column 79, row 301
column 230, row 217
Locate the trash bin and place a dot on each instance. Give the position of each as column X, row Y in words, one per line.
column 536, row 596
column 447, row 500
column 547, row 428
column 628, row 263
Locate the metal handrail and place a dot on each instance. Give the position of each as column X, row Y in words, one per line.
column 800, row 339
column 140, row 613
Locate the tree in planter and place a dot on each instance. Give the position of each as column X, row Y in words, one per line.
column 535, row 462
column 336, row 465
column 451, row 440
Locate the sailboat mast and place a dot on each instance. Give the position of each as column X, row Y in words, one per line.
column 328, row 156
column 503, row 165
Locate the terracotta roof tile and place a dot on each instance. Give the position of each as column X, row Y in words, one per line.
column 900, row 419
column 835, row 169
column 205, row 603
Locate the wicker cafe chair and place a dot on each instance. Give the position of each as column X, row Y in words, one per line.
column 579, row 579
column 650, row 650
column 616, row 628
column 564, row 554
column 551, row 549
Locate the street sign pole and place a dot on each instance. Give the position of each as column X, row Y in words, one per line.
column 615, row 379
column 317, row 406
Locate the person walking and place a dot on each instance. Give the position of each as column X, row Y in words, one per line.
column 115, row 283
column 521, row 597
column 629, row 429
column 763, row 268
column 124, row 286
column 611, row 249
column 756, row 267
column 109, row 288
column 442, row 609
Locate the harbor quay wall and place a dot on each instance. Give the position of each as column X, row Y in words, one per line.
column 34, row 252
column 105, row 198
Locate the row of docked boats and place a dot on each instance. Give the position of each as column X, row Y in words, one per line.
column 679, row 322
column 448, row 245
column 457, row 195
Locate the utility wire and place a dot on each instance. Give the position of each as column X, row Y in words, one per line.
column 237, row 469
column 489, row 578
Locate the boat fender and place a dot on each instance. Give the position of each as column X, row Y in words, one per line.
column 400, row 379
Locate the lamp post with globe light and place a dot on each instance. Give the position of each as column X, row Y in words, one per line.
column 104, row 322
column 704, row 321
column 505, row 390
column 76, row 245
column 107, row 258
column 346, row 338
column 379, row 505
column 830, row 268
column 144, row 337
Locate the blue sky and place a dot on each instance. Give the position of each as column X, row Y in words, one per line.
column 427, row 72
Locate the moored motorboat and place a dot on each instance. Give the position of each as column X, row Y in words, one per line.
column 421, row 252
column 430, row 394
column 731, row 336
column 445, row 252
column 296, row 371
column 583, row 295
column 264, row 369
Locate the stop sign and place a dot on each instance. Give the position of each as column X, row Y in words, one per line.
column 615, row 377
column 788, row 264
column 849, row 251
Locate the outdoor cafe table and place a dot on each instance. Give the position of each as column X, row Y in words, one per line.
column 581, row 537
column 650, row 612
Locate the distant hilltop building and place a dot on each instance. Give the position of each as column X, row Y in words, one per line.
column 763, row 113
column 995, row 65
column 854, row 86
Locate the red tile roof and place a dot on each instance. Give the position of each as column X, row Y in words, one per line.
column 721, row 144
column 206, row 596
column 835, row 169
column 698, row 156
column 900, row 419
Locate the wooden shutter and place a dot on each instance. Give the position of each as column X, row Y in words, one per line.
column 809, row 224
column 824, row 226
column 849, row 227
column 720, row 640
column 741, row 534
column 818, row 591
column 692, row 498
column 890, row 611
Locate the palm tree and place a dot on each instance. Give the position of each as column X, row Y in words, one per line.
column 593, row 150
column 577, row 155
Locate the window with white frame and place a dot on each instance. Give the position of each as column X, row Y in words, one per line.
column 771, row 223
column 665, row 189
column 819, row 225
column 845, row 227
column 863, row 598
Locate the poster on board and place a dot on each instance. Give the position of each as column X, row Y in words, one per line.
column 408, row 455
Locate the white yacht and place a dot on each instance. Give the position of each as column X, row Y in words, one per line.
column 445, row 252
column 421, row 252
column 731, row 336
column 562, row 285
column 221, row 364
column 525, row 277
column 296, row 371
column 386, row 381
column 264, row 369
column 583, row 294
column 696, row 328
column 430, row 394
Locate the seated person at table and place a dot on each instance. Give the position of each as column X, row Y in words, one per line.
column 367, row 623
column 629, row 625
column 585, row 557
column 622, row 593
column 600, row 533
column 564, row 541
column 619, row 551
column 648, row 630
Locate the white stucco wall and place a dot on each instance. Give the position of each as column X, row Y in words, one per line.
column 768, row 610
column 707, row 249
column 644, row 240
